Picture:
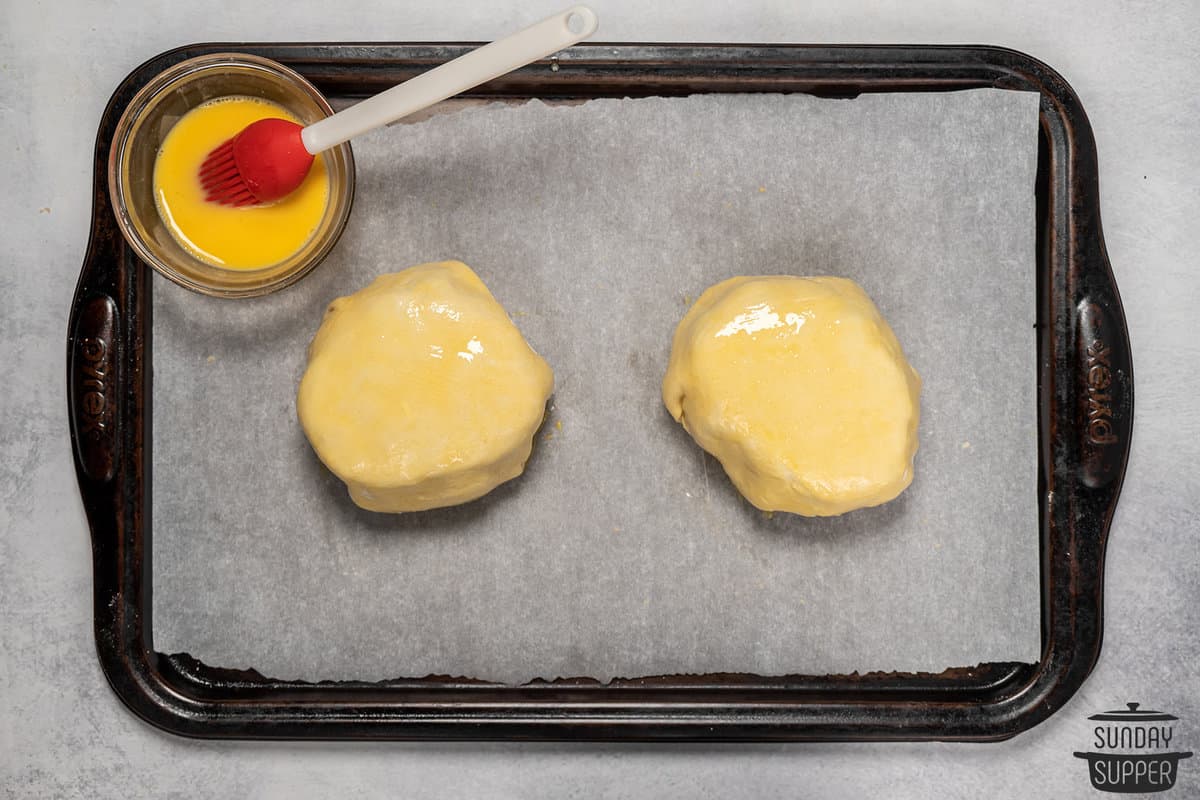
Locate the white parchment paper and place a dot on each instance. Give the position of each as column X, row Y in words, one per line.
column 624, row 550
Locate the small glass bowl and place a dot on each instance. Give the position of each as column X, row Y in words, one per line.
column 140, row 132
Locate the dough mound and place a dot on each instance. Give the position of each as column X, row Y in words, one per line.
column 420, row 392
column 800, row 389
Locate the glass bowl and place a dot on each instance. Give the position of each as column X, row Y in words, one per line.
column 140, row 132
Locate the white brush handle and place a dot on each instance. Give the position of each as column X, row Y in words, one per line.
column 454, row 77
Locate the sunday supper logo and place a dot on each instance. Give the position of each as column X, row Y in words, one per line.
column 1133, row 751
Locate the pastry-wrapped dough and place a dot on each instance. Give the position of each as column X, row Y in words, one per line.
column 420, row 392
column 800, row 389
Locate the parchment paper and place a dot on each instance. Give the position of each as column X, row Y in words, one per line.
column 624, row 550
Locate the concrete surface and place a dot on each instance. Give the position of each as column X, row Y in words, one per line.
column 64, row 734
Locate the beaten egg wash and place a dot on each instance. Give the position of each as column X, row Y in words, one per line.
column 251, row 237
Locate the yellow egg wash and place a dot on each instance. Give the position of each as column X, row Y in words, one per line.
column 247, row 238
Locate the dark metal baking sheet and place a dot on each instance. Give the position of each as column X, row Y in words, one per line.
column 1084, row 406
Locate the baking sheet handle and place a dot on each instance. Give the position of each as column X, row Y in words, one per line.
column 108, row 414
column 96, row 352
column 92, row 376
column 1105, row 389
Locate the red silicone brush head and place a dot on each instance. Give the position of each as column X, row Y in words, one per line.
column 263, row 163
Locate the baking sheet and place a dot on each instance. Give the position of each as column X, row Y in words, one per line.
column 624, row 550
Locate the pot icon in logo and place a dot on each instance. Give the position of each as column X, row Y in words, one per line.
column 1132, row 751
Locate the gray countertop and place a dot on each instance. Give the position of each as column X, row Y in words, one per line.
column 63, row 733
